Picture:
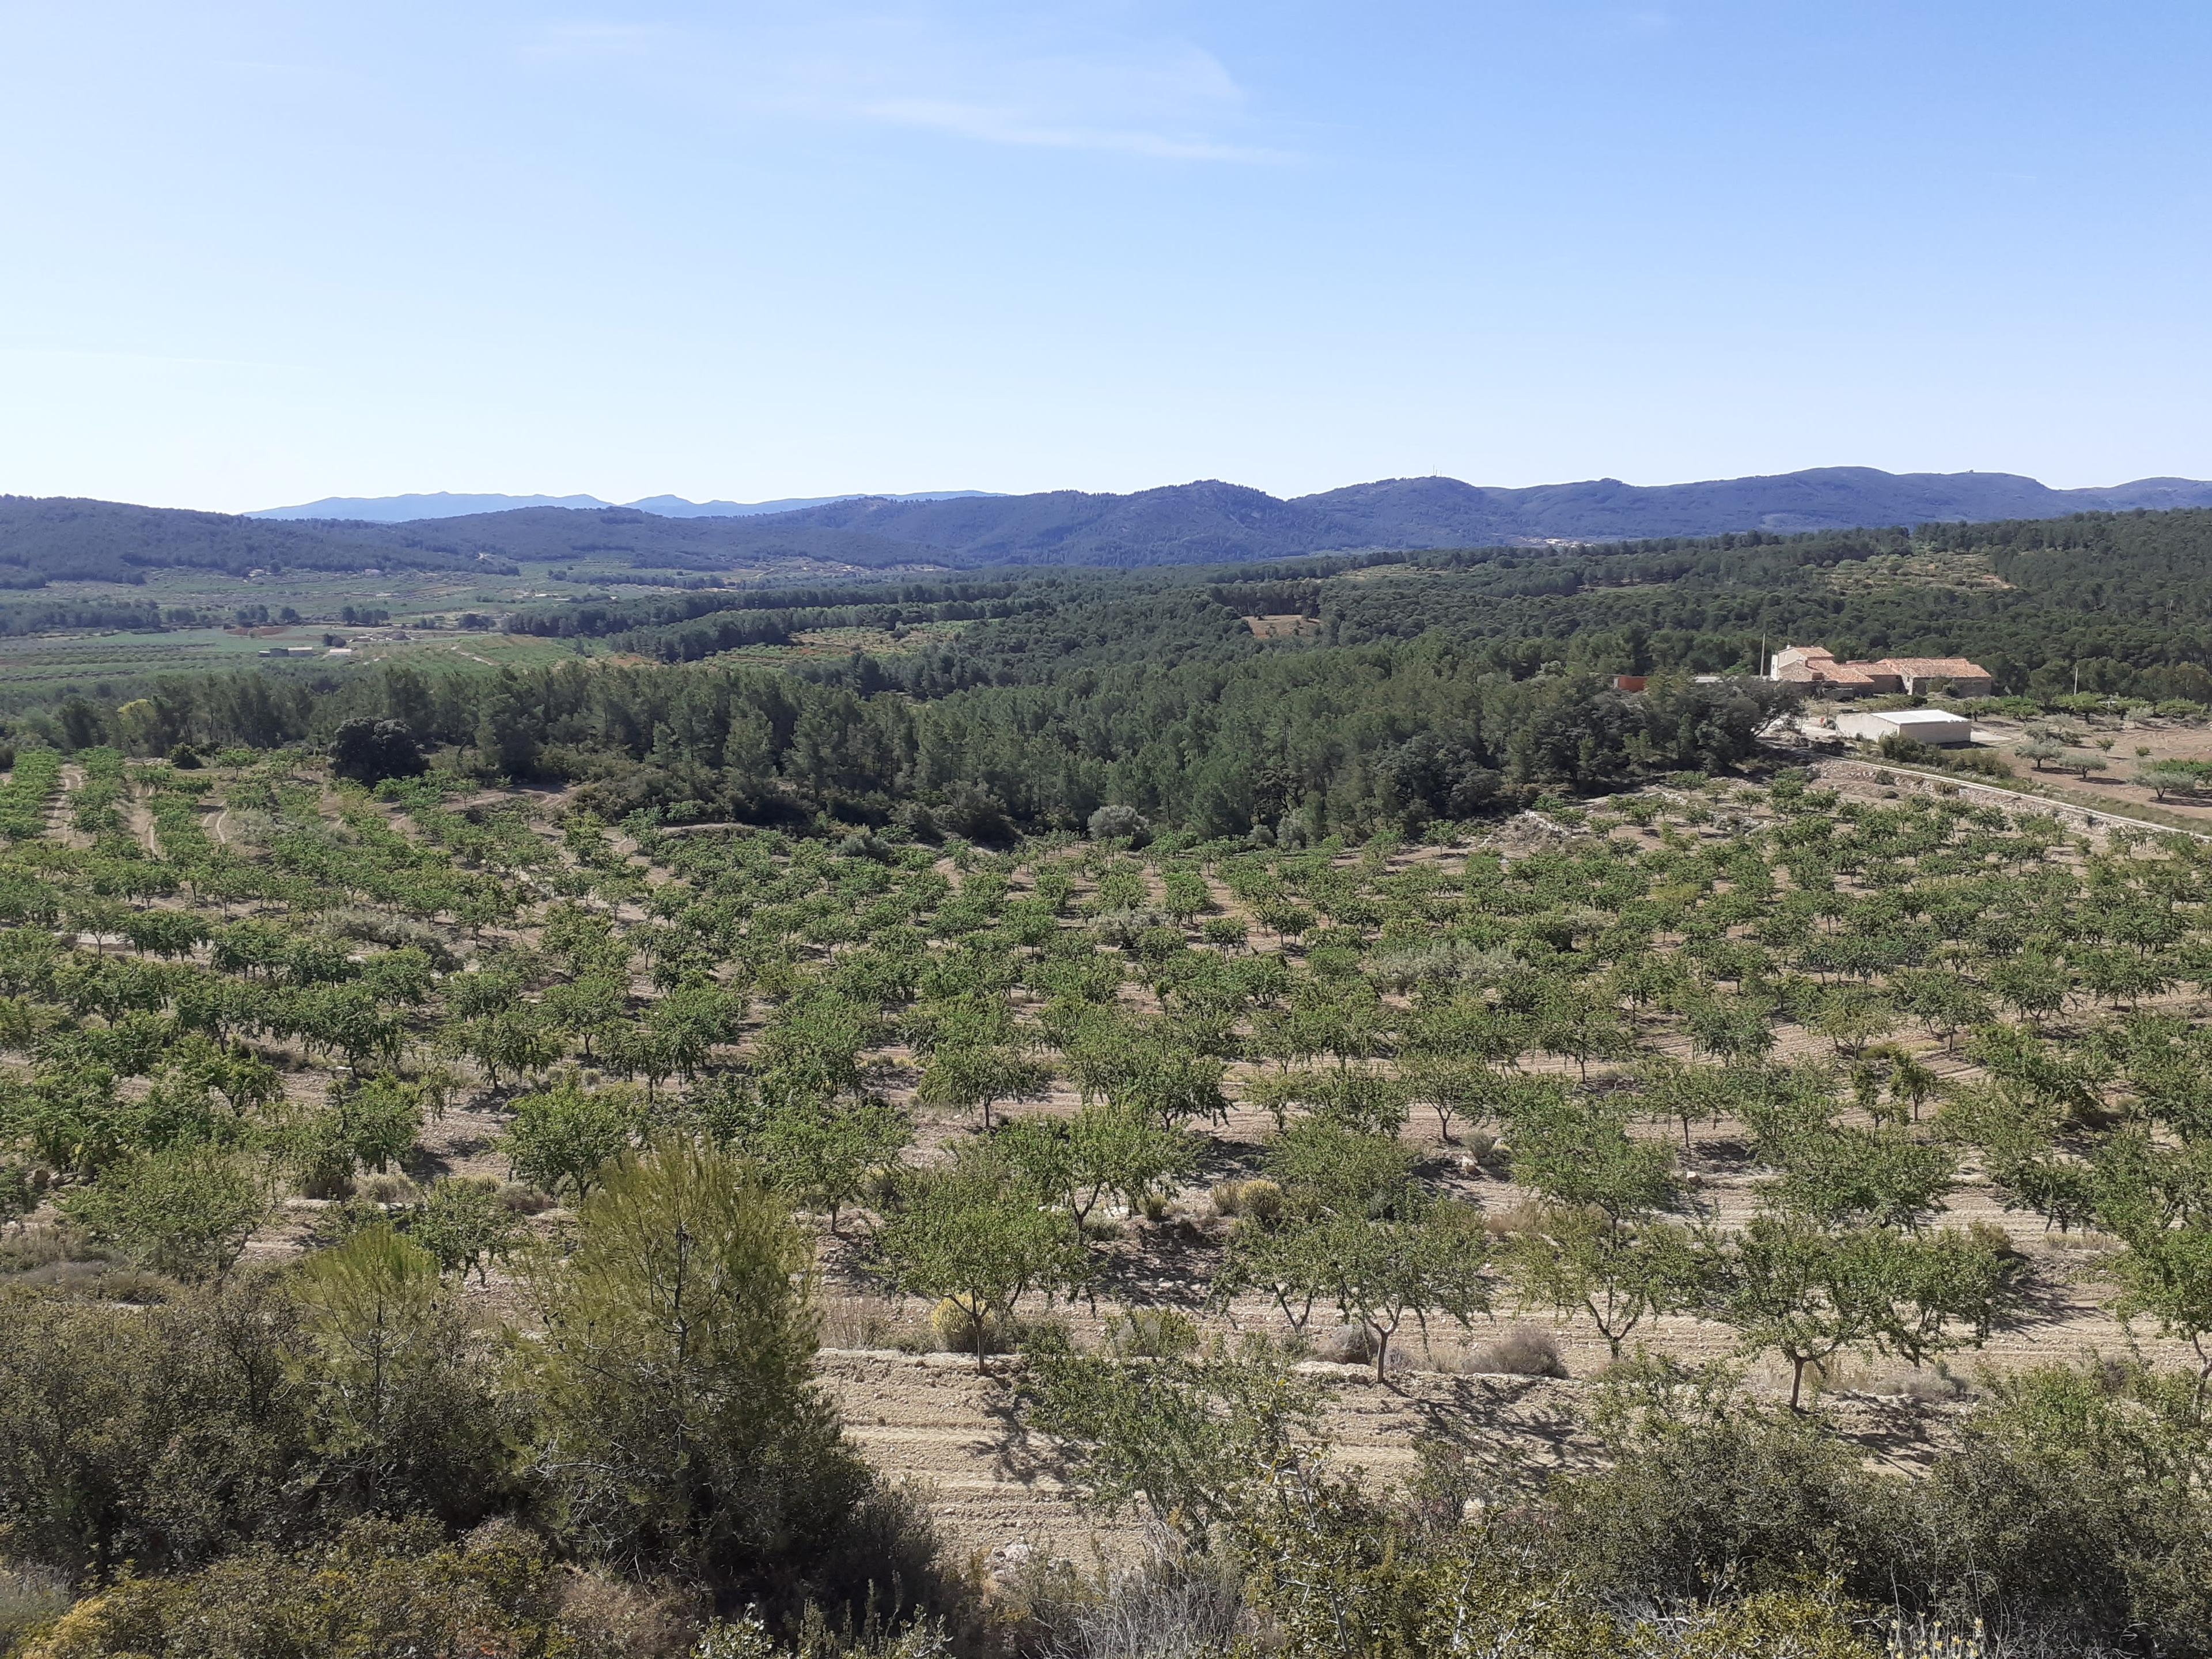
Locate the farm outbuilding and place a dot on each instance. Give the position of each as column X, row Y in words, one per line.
column 1928, row 726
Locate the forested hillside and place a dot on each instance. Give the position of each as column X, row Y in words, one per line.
column 64, row 540
column 1308, row 742
column 1424, row 688
column 2122, row 596
column 1203, row 523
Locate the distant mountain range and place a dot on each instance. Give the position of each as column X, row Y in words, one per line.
column 1203, row 523
column 1210, row 520
column 410, row 509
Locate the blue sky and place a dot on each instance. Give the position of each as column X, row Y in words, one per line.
column 256, row 253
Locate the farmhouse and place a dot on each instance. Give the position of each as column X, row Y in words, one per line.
column 1816, row 668
column 1966, row 679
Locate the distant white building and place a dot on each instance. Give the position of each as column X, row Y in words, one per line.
column 1929, row 726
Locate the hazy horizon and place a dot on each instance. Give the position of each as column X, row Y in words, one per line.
column 585, row 499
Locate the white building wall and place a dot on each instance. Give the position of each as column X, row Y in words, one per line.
column 1944, row 731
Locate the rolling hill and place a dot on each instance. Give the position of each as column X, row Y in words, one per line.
column 61, row 539
column 1206, row 522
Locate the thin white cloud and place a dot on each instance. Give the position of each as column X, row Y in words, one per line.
column 110, row 354
column 1006, row 126
column 1042, row 81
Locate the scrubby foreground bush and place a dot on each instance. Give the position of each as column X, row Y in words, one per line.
column 2071, row 1515
column 338, row 1458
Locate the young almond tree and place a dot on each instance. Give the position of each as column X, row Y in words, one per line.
column 1580, row 1260
column 967, row 1077
column 1452, row 1089
column 565, row 1137
column 1199, row 1440
column 2033, row 985
column 1577, row 1150
column 1104, row 1151
column 462, row 1223
column 1151, row 1067
column 1357, row 1232
column 1677, row 1093
column 1806, row 1291
column 1575, row 1025
column 2166, row 1274
column 1601, row 1245
column 977, row 1235
column 2155, row 1198
column 186, row 1210
column 1379, row 1273
column 826, row 1153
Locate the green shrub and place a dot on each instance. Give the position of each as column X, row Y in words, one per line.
column 380, row 1588
column 680, row 1421
column 187, row 1212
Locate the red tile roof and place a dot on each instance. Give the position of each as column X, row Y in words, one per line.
column 1823, row 673
column 1933, row 668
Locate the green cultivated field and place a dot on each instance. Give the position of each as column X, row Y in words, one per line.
column 108, row 663
column 62, row 662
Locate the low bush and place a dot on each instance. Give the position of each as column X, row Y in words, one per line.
column 957, row 1330
column 377, row 1588
column 1151, row 1334
column 1524, row 1351
column 1343, row 1345
column 1176, row 1603
column 30, row 1601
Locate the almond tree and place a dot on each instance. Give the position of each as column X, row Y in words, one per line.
column 1599, row 1245
column 565, row 1136
column 1806, row 1291
column 1581, row 1261
column 1357, row 1232
column 965, row 1077
column 977, row 1235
